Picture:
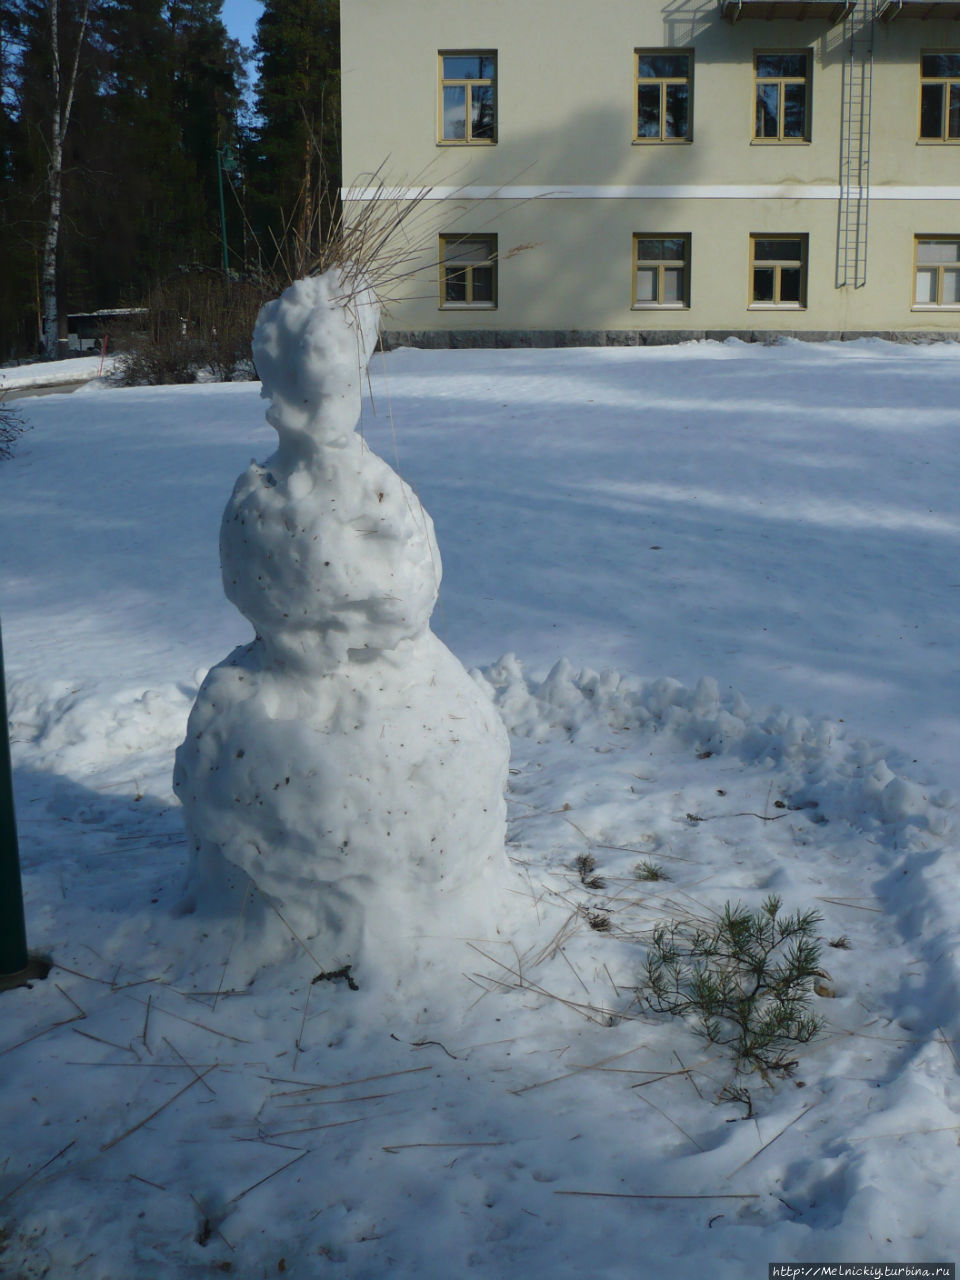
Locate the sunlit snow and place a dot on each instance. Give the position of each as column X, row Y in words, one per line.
column 725, row 579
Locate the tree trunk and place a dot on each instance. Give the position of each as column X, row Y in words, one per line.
column 305, row 220
column 59, row 122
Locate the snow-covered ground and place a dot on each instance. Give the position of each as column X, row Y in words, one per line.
column 17, row 379
column 748, row 557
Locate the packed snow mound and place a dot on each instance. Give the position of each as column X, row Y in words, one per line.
column 311, row 348
column 342, row 770
column 335, row 555
column 849, row 779
column 325, row 549
column 352, row 799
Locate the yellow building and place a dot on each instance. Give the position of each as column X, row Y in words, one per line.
column 630, row 171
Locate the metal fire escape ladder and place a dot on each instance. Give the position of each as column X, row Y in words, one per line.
column 855, row 148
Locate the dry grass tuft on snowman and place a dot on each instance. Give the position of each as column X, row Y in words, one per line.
column 342, row 776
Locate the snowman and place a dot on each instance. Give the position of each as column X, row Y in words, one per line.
column 342, row 776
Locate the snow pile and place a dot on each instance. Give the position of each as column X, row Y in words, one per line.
column 72, row 726
column 848, row 780
column 343, row 764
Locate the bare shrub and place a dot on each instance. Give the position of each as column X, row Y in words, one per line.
column 199, row 324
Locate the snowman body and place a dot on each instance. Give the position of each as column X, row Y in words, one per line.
column 343, row 768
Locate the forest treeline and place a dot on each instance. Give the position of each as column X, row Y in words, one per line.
column 143, row 151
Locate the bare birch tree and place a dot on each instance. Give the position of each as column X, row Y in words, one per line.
column 61, row 105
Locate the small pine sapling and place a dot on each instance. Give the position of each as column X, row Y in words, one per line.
column 745, row 980
column 648, row 870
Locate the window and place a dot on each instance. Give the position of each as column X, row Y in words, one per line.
column 783, row 97
column 937, row 272
column 661, row 271
column 940, row 97
column 778, row 267
column 468, row 271
column 468, row 97
column 663, row 96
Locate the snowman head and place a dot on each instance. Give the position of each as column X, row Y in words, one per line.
column 311, row 347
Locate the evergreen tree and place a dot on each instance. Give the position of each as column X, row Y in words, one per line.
column 7, row 92
column 155, row 95
column 150, row 210
column 208, row 76
column 172, row 98
column 295, row 171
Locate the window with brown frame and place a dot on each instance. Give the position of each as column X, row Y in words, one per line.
column 468, row 271
column 664, row 95
column 782, row 96
column 661, row 275
column 468, row 97
column 778, row 271
column 937, row 272
column 940, row 97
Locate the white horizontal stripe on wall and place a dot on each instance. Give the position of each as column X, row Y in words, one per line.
column 795, row 191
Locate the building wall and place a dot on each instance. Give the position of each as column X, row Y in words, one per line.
column 566, row 187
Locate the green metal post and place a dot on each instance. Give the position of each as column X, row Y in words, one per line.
column 223, row 212
column 13, row 933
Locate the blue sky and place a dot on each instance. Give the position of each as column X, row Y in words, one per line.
column 240, row 17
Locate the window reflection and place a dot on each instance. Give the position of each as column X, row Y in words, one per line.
column 768, row 110
column 778, row 270
column 763, row 284
column 468, row 111
column 468, row 270
column 454, row 111
column 940, row 97
column 782, row 96
column 663, row 96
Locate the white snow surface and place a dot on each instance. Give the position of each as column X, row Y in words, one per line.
column 46, row 373
column 749, row 558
